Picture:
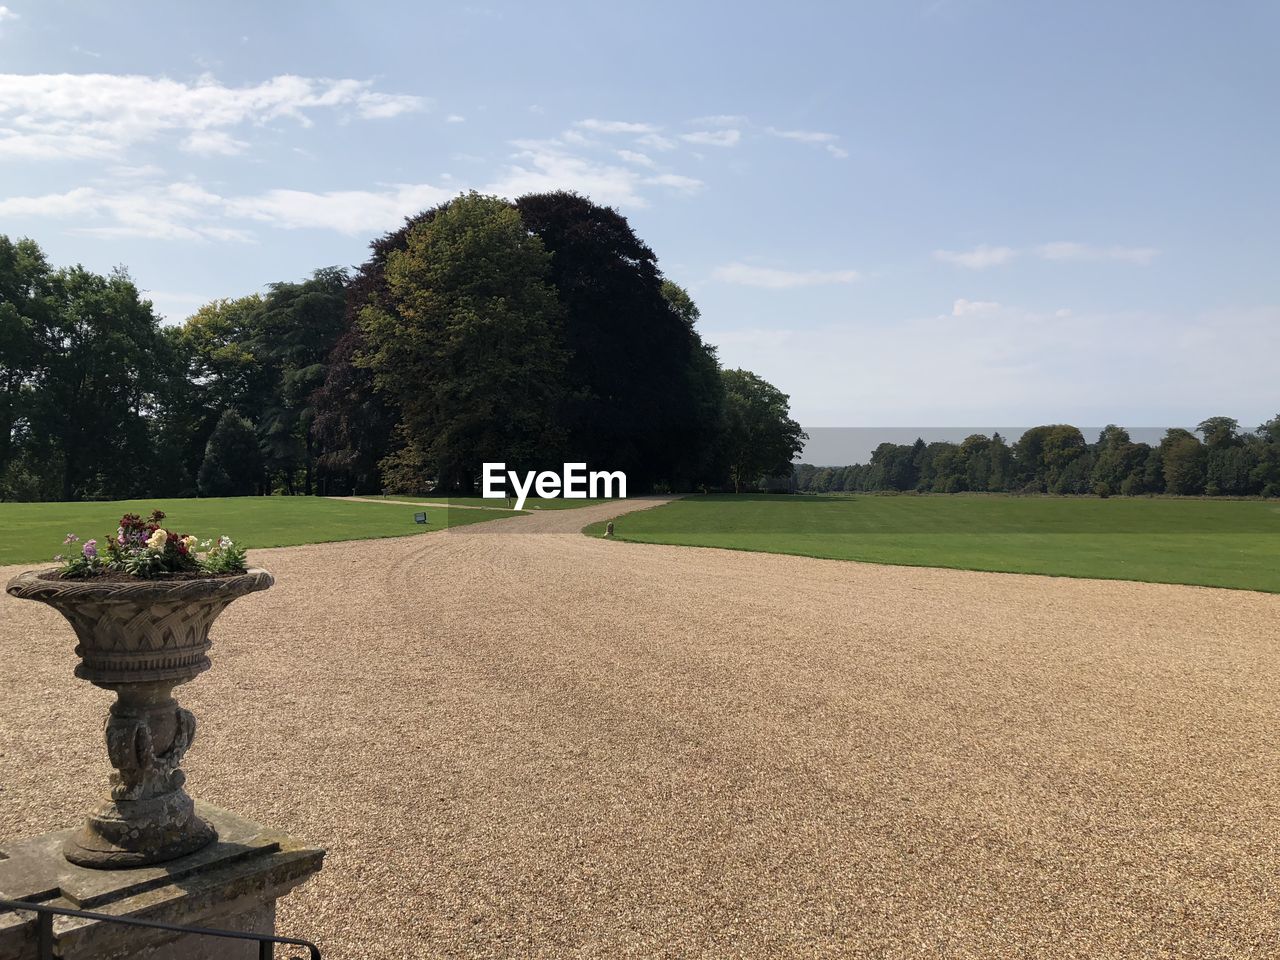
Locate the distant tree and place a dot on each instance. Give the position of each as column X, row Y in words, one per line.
column 295, row 330
column 96, row 382
column 232, row 464
column 947, row 468
column 1230, row 471
column 1219, row 432
column 896, row 466
column 1074, row 476
column 1117, row 459
column 805, row 472
column 1265, row 444
column 353, row 424
column 822, row 480
column 227, row 373
column 1153, row 471
column 1042, row 453
column 470, row 352
column 1183, row 462
column 760, row 438
column 27, row 306
column 356, row 426
column 1002, row 464
column 974, row 461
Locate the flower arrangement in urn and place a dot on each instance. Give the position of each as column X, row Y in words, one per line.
column 146, row 550
column 141, row 604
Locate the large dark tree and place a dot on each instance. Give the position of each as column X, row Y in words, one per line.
column 633, row 368
column 702, row 461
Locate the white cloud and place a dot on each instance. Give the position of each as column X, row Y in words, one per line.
column 639, row 159
column 713, row 138
column 209, row 142
column 816, row 137
column 185, row 211
column 718, row 120
column 7, row 14
column 135, row 171
column 545, row 165
column 772, row 279
column 615, row 126
column 656, row 141
column 346, row 211
column 988, row 256
column 676, row 182
column 178, row 211
column 50, row 116
column 1063, row 250
column 455, row 118
column 804, row 136
column 575, row 138
column 979, row 258
column 973, row 308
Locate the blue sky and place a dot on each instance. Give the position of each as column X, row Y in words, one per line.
column 945, row 212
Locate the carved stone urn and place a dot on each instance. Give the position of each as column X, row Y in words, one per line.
column 141, row 638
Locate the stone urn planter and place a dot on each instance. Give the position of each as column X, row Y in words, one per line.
column 141, row 638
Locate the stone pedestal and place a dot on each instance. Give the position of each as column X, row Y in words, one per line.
column 231, row 884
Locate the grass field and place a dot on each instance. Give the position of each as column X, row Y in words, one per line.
column 1216, row 543
column 33, row 532
column 531, row 503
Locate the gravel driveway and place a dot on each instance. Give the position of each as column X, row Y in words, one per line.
column 517, row 741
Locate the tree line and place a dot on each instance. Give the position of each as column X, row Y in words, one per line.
column 1222, row 461
column 532, row 332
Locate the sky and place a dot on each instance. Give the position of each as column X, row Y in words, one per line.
column 933, row 213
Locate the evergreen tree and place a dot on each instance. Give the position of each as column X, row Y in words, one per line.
column 232, row 464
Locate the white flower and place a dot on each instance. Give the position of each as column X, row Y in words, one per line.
column 224, row 542
column 157, row 540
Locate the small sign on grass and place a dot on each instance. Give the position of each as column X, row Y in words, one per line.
column 419, row 518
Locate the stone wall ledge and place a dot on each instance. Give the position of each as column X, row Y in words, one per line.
column 233, row 883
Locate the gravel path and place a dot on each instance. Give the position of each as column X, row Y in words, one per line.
column 516, row 741
column 424, row 503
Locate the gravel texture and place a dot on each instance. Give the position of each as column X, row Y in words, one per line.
column 518, row 741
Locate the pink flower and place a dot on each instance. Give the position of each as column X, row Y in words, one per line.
column 91, row 549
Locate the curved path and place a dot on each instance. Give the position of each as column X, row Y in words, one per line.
column 518, row 741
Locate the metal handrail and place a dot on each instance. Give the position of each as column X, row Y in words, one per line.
column 44, row 929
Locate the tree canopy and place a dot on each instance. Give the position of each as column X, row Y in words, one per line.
column 1055, row 459
column 760, row 438
column 532, row 332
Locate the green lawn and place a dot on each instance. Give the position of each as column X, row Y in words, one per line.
column 33, row 532
column 531, row 503
column 1217, row 543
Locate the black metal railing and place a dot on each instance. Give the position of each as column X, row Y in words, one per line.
column 44, row 929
